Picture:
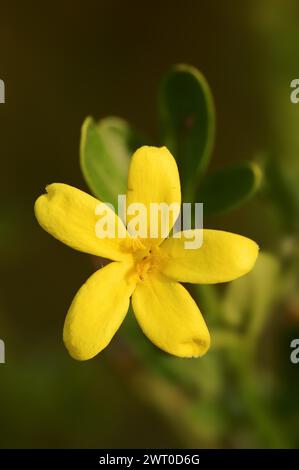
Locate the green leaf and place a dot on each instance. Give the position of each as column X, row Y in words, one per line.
column 230, row 187
column 187, row 122
column 105, row 150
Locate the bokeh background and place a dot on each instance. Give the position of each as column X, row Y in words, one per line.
column 62, row 61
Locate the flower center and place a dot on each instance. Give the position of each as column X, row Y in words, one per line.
column 147, row 260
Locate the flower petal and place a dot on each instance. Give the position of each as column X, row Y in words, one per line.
column 98, row 310
column 169, row 317
column 222, row 257
column 70, row 216
column 154, row 178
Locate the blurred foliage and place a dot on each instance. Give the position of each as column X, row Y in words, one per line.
column 187, row 122
column 227, row 189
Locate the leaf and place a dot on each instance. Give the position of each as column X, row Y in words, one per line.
column 193, row 374
column 105, row 150
column 208, row 300
column 230, row 187
column 250, row 298
column 187, row 122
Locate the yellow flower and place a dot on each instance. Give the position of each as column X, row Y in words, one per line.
column 148, row 270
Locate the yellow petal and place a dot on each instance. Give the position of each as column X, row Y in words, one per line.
column 169, row 317
column 70, row 216
column 222, row 257
column 154, row 178
column 98, row 310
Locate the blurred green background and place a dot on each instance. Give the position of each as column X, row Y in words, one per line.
column 61, row 62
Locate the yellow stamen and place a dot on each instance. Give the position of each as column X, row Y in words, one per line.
column 147, row 260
